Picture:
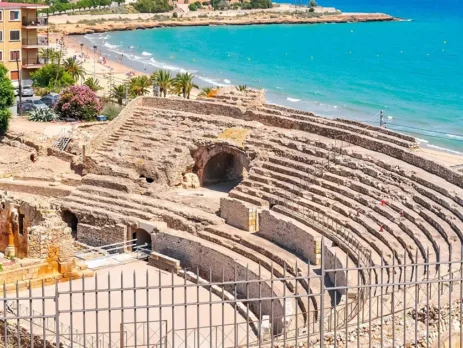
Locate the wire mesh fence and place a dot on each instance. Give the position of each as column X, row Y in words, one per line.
column 414, row 304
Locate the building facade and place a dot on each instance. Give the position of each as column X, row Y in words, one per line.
column 22, row 34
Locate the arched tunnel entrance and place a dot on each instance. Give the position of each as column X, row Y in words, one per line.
column 142, row 237
column 221, row 167
column 71, row 220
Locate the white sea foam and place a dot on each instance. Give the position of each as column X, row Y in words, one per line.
column 444, row 149
column 111, row 47
column 453, row 136
column 146, row 54
column 210, row 81
column 422, row 140
column 293, row 100
column 227, row 81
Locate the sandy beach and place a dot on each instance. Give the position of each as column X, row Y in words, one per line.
column 116, row 72
column 110, row 74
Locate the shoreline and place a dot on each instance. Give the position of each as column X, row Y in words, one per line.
column 446, row 157
column 77, row 28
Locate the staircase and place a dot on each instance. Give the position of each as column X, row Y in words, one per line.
column 64, row 137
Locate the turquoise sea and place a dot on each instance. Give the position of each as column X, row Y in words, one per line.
column 413, row 70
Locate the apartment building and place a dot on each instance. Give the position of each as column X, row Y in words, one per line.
column 22, row 34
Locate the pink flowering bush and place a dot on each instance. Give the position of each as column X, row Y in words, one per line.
column 78, row 102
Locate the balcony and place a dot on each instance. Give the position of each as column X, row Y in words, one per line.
column 33, row 63
column 36, row 42
column 33, row 23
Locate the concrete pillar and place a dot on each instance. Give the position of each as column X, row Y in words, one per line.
column 10, row 250
column 318, row 252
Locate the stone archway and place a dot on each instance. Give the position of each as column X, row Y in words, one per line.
column 142, row 237
column 71, row 220
column 220, row 163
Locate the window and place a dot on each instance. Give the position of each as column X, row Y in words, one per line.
column 1, row 56
column 1, row 16
column 14, row 55
column 14, row 15
column 15, row 35
column 1, row 35
column 14, row 75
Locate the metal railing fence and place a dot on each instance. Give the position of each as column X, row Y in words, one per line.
column 413, row 304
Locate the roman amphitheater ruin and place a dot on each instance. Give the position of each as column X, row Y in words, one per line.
column 239, row 189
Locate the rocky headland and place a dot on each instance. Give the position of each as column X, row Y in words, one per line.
column 118, row 25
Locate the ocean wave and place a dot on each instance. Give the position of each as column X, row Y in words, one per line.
column 444, row 149
column 108, row 45
column 161, row 65
column 227, row 81
column 422, row 140
column 210, row 81
column 453, row 136
column 146, row 54
column 293, row 100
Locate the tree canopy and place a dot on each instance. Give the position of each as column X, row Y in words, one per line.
column 6, row 99
column 52, row 75
column 152, row 6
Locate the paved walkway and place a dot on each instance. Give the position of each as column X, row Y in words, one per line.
column 98, row 312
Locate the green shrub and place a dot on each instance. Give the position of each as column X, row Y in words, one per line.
column 192, row 7
column 311, row 9
column 206, row 3
column 78, row 102
column 51, row 75
column 261, row 3
column 111, row 111
column 175, row 15
column 42, row 115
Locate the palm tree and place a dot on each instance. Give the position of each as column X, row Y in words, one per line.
column 53, row 55
column 163, row 80
column 93, row 84
column 242, row 88
column 183, row 83
column 118, row 93
column 205, row 91
column 140, row 85
column 74, row 68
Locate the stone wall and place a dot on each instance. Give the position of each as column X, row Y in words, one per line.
column 194, row 106
column 112, row 127
column 239, row 214
column 101, row 234
column 296, row 238
column 210, row 259
column 41, row 189
column 377, row 129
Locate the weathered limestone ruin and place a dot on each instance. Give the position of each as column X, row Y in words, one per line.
column 229, row 183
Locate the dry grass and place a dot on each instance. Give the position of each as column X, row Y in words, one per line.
column 235, row 135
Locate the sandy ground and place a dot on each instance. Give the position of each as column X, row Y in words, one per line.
column 441, row 157
column 103, row 309
column 15, row 163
